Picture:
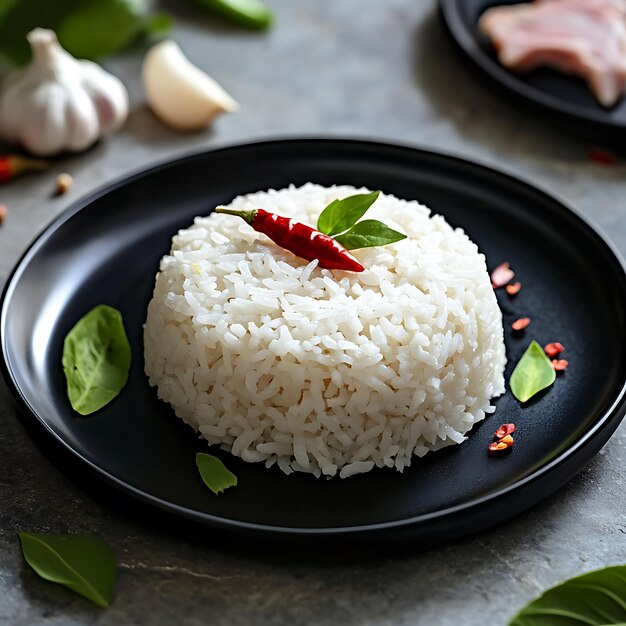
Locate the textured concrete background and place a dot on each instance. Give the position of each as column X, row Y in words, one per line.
column 350, row 67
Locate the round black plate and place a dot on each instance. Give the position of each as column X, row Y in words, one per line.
column 566, row 96
column 106, row 249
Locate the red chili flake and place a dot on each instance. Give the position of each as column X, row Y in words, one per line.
column 514, row 288
column 554, row 349
column 499, row 447
column 521, row 323
column 602, row 156
column 560, row 365
column 502, row 275
column 504, row 430
column 3, row 213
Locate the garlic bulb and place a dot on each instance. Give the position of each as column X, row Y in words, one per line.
column 181, row 94
column 57, row 102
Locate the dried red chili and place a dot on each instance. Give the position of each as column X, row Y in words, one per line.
column 14, row 165
column 302, row 240
column 521, row 323
column 560, row 365
column 502, row 275
column 504, row 430
column 554, row 349
column 513, row 289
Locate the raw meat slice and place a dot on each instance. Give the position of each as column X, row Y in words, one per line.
column 583, row 37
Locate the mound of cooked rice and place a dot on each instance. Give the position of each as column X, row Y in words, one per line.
column 320, row 371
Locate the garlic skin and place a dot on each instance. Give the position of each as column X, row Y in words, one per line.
column 181, row 94
column 58, row 103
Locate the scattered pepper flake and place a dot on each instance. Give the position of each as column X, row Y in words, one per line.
column 521, row 323
column 64, row 183
column 499, row 447
column 554, row 349
column 560, row 365
column 514, row 288
column 3, row 213
column 504, row 430
column 502, row 275
column 601, row 155
column 508, row 440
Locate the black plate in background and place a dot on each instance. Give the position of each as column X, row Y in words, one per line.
column 106, row 249
column 566, row 98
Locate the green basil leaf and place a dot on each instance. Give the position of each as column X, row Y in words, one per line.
column 367, row 234
column 86, row 29
column 533, row 373
column 214, row 473
column 340, row 215
column 158, row 25
column 83, row 564
column 101, row 27
column 96, row 359
column 595, row 599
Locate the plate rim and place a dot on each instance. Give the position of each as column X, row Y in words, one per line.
column 609, row 419
column 466, row 42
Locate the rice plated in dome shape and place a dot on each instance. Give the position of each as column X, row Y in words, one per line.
column 320, row 371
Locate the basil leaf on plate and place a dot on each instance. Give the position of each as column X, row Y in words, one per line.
column 533, row 373
column 214, row 473
column 595, row 599
column 340, row 215
column 96, row 359
column 83, row 564
column 367, row 234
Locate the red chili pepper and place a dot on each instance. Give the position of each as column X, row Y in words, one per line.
column 302, row 240
column 14, row 165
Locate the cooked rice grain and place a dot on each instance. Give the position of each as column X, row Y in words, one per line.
column 320, row 371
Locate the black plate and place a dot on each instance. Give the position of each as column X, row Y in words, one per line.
column 567, row 97
column 106, row 248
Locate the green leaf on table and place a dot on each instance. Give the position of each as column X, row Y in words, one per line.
column 340, row 215
column 214, row 473
column 533, row 373
column 158, row 25
column 85, row 29
column 367, row 234
column 83, row 564
column 96, row 359
column 101, row 27
column 594, row 599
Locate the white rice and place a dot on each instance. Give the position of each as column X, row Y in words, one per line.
column 319, row 371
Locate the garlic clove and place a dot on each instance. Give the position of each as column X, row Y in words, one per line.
column 181, row 94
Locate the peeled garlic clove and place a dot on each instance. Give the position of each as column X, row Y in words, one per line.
column 180, row 94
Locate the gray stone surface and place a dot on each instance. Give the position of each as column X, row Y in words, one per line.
column 348, row 67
